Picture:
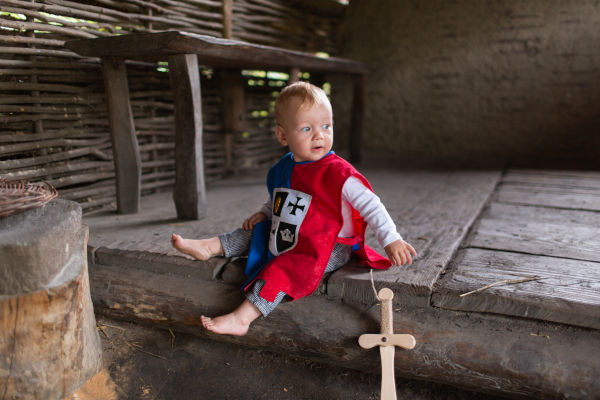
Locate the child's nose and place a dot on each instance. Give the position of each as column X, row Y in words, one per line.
column 318, row 133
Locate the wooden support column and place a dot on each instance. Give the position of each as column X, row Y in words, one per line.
column 227, row 17
column 128, row 167
column 233, row 94
column 294, row 72
column 356, row 123
column 190, row 191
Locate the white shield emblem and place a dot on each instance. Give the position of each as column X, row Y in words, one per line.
column 289, row 208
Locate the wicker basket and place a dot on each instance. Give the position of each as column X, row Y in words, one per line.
column 18, row 196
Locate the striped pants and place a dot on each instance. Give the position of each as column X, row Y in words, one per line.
column 237, row 243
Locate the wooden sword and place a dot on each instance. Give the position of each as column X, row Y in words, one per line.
column 386, row 342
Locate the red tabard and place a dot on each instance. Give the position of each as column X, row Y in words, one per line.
column 298, row 271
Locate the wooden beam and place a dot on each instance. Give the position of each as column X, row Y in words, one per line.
column 128, row 167
column 216, row 52
column 190, row 191
column 493, row 353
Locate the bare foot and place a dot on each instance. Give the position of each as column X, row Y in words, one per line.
column 235, row 323
column 201, row 249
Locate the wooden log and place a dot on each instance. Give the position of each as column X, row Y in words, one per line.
column 125, row 147
column 48, row 338
column 52, row 28
column 40, row 86
column 190, row 190
column 61, row 10
column 47, row 172
column 59, row 156
column 32, row 40
column 484, row 353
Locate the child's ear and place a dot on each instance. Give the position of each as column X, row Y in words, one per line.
column 280, row 133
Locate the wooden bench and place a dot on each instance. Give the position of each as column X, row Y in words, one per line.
column 184, row 52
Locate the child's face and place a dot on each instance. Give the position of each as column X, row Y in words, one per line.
column 308, row 131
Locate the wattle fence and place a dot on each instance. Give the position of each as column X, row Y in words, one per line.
column 53, row 116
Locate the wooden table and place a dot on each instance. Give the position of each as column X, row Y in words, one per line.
column 184, row 52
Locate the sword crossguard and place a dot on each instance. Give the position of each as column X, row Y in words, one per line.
column 368, row 341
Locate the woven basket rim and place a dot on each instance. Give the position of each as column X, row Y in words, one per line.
column 19, row 196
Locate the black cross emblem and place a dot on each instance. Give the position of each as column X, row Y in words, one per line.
column 295, row 206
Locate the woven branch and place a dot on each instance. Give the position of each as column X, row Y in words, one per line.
column 18, row 196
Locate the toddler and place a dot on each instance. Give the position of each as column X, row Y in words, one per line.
column 314, row 220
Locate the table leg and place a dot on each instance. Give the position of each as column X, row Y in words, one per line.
column 190, row 191
column 233, row 93
column 126, row 157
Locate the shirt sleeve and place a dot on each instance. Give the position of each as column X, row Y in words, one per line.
column 370, row 207
column 267, row 208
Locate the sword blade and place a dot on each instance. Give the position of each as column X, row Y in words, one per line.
column 388, row 383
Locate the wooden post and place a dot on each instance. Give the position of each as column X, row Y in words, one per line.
column 227, row 14
column 49, row 345
column 128, row 167
column 190, row 192
column 234, row 109
column 356, row 123
column 294, row 72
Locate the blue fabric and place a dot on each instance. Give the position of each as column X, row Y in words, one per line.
column 280, row 174
column 258, row 254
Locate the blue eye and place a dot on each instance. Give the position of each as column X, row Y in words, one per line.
column 306, row 129
column 326, row 126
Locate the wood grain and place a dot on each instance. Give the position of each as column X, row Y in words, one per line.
column 569, row 291
column 535, row 226
column 125, row 146
column 190, row 191
column 433, row 212
column 540, row 230
column 212, row 51
column 477, row 351
column 561, row 189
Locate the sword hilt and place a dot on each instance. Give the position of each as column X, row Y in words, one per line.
column 387, row 336
column 387, row 311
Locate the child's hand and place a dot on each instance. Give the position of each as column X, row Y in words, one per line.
column 399, row 252
column 253, row 220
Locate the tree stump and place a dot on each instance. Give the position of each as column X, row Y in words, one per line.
column 49, row 345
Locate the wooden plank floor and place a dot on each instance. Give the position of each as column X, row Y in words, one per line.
column 543, row 224
column 433, row 210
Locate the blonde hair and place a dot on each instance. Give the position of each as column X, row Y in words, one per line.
column 308, row 93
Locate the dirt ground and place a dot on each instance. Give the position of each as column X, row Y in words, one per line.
column 153, row 364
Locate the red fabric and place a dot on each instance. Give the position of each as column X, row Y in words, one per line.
column 298, row 271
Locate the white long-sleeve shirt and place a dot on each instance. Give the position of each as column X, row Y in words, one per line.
column 356, row 195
